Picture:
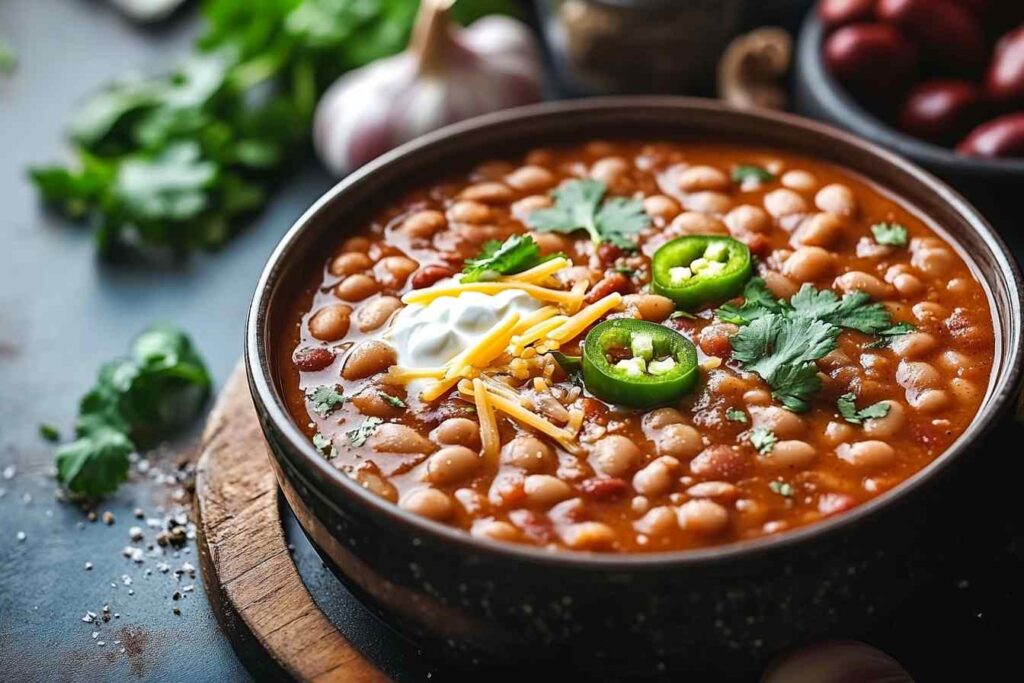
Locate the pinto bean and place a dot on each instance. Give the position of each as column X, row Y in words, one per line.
column 488, row 193
column 836, row 199
column 370, row 402
column 331, row 322
column 356, row 287
column 696, row 223
column 397, row 269
column 609, row 169
column 703, row 516
column 697, row 178
column 914, row 345
column 588, row 536
column 867, row 454
column 392, row 437
column 466, row 211
column 820, row 230
column 785, row 202
column 889, row 425
column 495, row 530
column 679, row 441
column 615, row 456
column 857, row 280
column 423, row 224
column 530, row 178
column 659, row 521
column 716, row 203
column 661, row 417
column 660, row 207
column 544, row 490
column 657, row 478
column 748, row 219
column 451, row 465
column 368, row 358
column 429, row 503
column 373, row 314
column 457, row 431
column 785, row 424
column 808, row 264
column 429, row 275
column 528, row 453
column 372, row 481
column 350, row 262
column 789, row 454
column 312, row 358
column 801, row 181
column 720, row 462
column 652, row 307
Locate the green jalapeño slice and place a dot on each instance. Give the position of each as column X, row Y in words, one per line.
column 637, row 363
column 700, row 269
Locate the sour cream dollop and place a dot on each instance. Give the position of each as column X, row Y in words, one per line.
column 429, row 336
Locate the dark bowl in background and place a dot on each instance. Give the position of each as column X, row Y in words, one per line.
column 723, row 609
column 990, row 183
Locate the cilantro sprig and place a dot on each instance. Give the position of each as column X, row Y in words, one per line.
column 161, row 386
column 891, row 234
column 177, row 161
column 514, row 255
column 581, row 205
column 781, row 340
column 358, row 436
column 847, row 405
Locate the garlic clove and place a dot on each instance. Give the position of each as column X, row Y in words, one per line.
column 446, row 75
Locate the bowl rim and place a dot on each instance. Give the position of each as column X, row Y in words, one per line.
column 259, row 362
column 844, row 110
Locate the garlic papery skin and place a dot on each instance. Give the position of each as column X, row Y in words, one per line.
column 446, row 75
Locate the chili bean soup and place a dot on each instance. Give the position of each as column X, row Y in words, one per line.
column 635, row 347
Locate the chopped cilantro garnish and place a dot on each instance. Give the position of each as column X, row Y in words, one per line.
column 578, row 206
column 891, row 234
column 780, row 340
column 847, row 405
column 358, row 436
column 782, row 488
column 325, row 399
column 49, row 432
column 782, row 350
column 735, row 415
column 392, row 401
column 324, row 445
column 514, row 255
column 763, row 439
column 747, row 172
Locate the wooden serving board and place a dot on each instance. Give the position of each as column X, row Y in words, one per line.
column 253, row 584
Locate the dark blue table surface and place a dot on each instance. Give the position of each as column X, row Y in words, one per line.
column 62, row 313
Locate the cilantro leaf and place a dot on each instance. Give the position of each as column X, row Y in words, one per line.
column 847, row 405
column 176, row 161
column 514, row 255
column 578, row 207
column 95, row 464
column 757, row 302
column 324, row 444
column 748, row 172
column 326, row 399
column 784, row 489
column 735, row 415
column 782, row 350
column 392, row 401
column 892, row 234
column 158, row 388
column 853, row 311
column 763, row 439
column 358, row 436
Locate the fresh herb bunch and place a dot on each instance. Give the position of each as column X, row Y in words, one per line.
column 781, row 340
column 174, row 162
column 160, row 387
column 579, row 206
column 514, row 255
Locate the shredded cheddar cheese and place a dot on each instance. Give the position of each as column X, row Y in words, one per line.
column 489, row 438
column 422, row 296
column 539, row 272
column 572, row 327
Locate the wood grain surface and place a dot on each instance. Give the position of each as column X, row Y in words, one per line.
column 254, row 586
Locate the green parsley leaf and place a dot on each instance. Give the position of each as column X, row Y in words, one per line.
column 392, row 401
column 892, row 234
column 95, row 464
column 578, row 206
column 326, row 399
column 763, row 439
column 782, row 350
column 847, row 404
column 358, row 436
column 514, row 255
column 325, row 446
column 49, row 432
column 159, row 388
column 735, row 415
column 756, row 174
column 782, row 488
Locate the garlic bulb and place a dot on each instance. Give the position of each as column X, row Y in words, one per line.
column 446, row 75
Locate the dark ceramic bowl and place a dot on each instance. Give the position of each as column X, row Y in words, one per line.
column 727, row 608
